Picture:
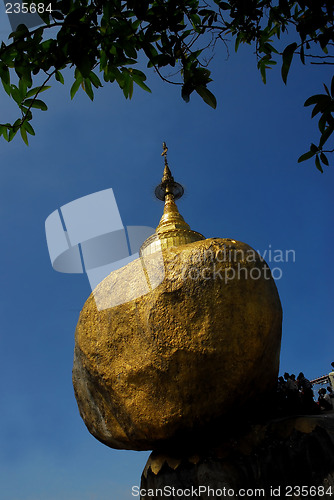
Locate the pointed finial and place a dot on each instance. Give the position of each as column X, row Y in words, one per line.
column 172, row 229
column 167, row 184
column 164, row 152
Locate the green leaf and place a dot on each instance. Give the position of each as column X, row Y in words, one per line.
column 138, row 79
column 185, row 93
column 20, row 32
column 287, row 59
column 138, row 73
column 4, row 132
column 324, row 159
column 75, row 88
column 326, row 89
column 29, row 128
column 13, row 130
column 322, row 123
column 38, row 35
column 24, row 134
column 4, row 73
column 325, row 135
column 318, row 165
column 314, row 99
column 45, row 17
column 263, row 73
column 78, row 75
column 35, row 103
column 59, row 77
column 306, row 156
column 24, row 73
column 142, row 84
column 16, row 94
column 317, row 108
column 207, row 96
column 195, row 19
column 87, row 86
column 237, row 41
column 8, row 55
column 95, row 79
column 123, row 81
column 37, row 90
column 23, row 86
column 223, row 5
column 130, row 50
column 57, row 15
column 11, row 135
column 302, row 55
column 120, row 76
column 84, row 65
column 7, row 88
column 129, row 87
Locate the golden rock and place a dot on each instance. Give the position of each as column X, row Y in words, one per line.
column 198, row 344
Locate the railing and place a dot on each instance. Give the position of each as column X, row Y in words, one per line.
column 321, row 380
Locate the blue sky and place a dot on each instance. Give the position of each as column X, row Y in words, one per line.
column 238, row 164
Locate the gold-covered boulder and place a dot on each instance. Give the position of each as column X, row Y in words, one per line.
column 199, row 346
column 186, row 336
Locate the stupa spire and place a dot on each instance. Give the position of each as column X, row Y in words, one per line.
column 168, row 191
column 167, row 184
column 172, row 229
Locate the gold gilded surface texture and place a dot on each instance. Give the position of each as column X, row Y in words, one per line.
column 197, row 347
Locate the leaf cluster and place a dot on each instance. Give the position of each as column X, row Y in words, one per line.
column 323, row 105
column 103, row 40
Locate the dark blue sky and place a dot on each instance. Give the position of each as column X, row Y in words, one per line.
column 238, row 164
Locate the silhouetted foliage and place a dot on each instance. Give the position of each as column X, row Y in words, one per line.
column 110, row 36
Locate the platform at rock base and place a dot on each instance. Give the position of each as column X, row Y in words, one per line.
column 291, row 457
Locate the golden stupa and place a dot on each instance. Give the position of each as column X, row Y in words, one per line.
column 172, row 230
column 195, row 347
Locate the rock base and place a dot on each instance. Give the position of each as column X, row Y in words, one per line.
column 291, row 457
